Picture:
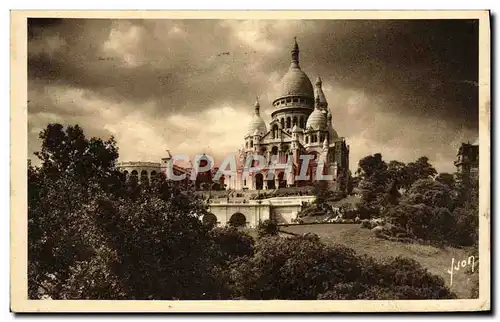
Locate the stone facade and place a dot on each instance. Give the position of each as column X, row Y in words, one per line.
column 301, row 124
column 467, row 161
column 140, row 170
column 282, row 210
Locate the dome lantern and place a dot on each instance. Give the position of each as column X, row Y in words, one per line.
column 295, row 83
column 295, row 53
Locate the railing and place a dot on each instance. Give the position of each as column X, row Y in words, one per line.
column 293, row 201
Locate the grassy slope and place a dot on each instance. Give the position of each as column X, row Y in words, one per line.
column 436, row 260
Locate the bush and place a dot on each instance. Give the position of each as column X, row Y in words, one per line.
column 267, row 228
column 303, row 268
column 231, row 243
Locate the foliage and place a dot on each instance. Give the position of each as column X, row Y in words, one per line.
column 91, row 236
column 231, row 243
column 373, row 171
column 446, row 179
column 420, row 169
column 429, row 210
column 425, row 210
column 467, row 215
column 303, row 268
column 267, row 228
column 320, row 191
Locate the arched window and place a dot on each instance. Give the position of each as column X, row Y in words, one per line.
column 153, row 175
column 246, row 144
column 321, row 138
column 294, row 120
column 301, row 122
column 275, row 131
column 307, row 139
column 274, row 150
column 288, row 122
column 282, row 123
column 295, row 100
column 251, row 144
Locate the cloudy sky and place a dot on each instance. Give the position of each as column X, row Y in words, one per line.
column 401, row 88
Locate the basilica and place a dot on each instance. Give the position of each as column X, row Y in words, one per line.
column 301, row 124
column 300, row 140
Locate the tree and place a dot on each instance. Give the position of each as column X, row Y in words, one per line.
column 62, row 236
column 320, row 191
column 467, row 214
column 375, row 178
column 426, row 210
column 420, row 169
column 90, row 236
column 392, row 195
column 351, row 183
column 397, row 172
column 446, row 179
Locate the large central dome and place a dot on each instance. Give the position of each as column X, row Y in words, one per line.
column 296, row 83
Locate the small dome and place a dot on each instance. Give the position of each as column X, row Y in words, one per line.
column 317, row 120
column 257, row 125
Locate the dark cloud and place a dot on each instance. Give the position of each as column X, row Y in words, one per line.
column 377, row 70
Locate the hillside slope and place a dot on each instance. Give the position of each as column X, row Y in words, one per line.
column 436, row 260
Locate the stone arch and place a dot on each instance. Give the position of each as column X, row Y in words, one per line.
column 238, row 220
column 259, row 181
column 209, row 219
column 134, row 176
column 294, row 122
column 144, row 176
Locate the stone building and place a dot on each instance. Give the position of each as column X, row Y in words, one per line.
column 301, row 124
column 467, row 161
